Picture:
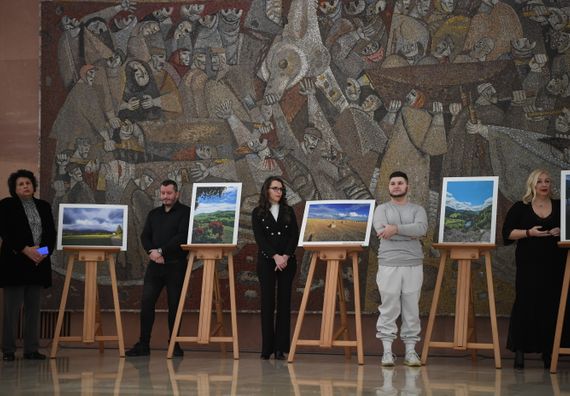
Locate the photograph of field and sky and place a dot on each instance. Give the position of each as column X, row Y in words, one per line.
column 92, row 226
column 565, row 206
column 468, row 213
column 336, row 222
column 215, row 213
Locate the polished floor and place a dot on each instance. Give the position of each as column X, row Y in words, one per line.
column 86, row 372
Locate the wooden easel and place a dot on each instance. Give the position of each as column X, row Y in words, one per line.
column 556, row 350
column 332, row 256
column 88, row 379
column 464, row 254
column 209, row 254
column 92, row 329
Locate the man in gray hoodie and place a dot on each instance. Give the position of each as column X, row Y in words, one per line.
column 399, row 224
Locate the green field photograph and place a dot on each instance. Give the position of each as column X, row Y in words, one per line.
column 88, row 226
column 215, row 213
column 468, row 210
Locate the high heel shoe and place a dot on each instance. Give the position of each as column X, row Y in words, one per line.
column 279, row 355
column 519, row 360
column 264, row 356
column 546, row 359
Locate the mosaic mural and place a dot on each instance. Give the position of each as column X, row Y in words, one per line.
column 331, row 95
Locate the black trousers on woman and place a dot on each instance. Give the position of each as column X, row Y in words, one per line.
column 275, row 329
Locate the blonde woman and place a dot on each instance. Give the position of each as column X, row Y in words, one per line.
column 534, row 224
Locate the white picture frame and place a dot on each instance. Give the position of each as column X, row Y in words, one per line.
column 564, row 205
column 92, row 226
column 337, row 222
column 214, row 213
column 466, row 205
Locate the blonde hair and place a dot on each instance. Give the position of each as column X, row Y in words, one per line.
column 531, row 181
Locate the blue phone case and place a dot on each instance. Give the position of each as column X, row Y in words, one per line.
column 43, row 250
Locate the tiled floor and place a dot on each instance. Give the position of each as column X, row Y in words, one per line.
column 84, row 371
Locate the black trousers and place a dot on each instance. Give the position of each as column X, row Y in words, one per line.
column 14, row 297
column 156, row 277
column 275, row 329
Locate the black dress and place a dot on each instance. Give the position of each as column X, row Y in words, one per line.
column 275, row 237
column 539, row 272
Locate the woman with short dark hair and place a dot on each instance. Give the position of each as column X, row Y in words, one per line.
column 276, row 234
column 28, row 237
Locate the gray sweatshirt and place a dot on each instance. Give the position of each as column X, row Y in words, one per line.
column 404, row 249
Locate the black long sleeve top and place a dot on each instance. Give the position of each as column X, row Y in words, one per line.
column 167, row 231
column 279, row 236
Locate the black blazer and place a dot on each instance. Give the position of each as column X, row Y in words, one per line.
column 16, row 269
column 275, row 236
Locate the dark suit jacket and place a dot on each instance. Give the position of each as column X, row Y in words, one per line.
column 275, row 236
column 16, row 269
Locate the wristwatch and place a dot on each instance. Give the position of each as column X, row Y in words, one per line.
column 159, row 250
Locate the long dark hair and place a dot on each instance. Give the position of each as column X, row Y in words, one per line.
column 264, row 204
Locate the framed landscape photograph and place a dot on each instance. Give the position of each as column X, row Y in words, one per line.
column 468, row 210
column 337, row 222
column 214, row 215
column 564, row 205
column 92, row 226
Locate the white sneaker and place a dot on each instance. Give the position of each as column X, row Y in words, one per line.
column 388, row 359
column 412, row 359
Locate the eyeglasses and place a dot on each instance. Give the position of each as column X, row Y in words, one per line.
column 282, row 189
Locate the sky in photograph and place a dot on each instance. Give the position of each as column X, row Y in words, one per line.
column 210, row 204
column 339, row 211
column 469, row 195
column 105, row 219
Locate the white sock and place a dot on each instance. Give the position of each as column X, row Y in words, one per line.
column 387, row 346
column 410, row 347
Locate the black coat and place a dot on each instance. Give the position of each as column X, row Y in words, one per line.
column 279, row 236
column 16, row 269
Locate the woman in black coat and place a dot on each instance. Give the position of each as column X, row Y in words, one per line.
column 26, row 225
column 276, row 234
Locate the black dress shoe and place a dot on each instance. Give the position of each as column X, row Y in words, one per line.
column 34, row 356
column 546, row 359
column 264, row 356
column 177, row 352
column 9, row 357
column 139, row 349
column 279, row 355
column 519, row 360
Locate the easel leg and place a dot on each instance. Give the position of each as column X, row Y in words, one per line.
column 62, row 304
column 471, row 330
column 462, row 303
column 219, row 329
column 90, row 301
column 492, row 310
column 98, row 322
column 561, row 314
column 329, row 303
column 116, row 306
column 174, row 335
column 343, row 317
column 205, row 319
column 233, row 306
column 433, row 309
column 302, row 309
column 357, row 312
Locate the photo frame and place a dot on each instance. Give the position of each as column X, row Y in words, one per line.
column 337, row 222
column 214, row 214
column 469, row 210
column 92, row 226
column 564, row 205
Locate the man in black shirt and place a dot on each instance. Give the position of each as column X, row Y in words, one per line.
column 166, row 228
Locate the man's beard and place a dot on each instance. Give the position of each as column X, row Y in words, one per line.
column 400, row 195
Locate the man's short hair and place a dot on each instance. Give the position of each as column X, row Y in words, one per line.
column 170, row 182
column 398, row 174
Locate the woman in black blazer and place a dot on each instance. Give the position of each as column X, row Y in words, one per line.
column 26, row 225
column 276, row 234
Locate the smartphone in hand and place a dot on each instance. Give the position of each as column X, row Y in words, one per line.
column 43, row 250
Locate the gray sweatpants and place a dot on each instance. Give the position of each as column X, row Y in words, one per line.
column 400, row 289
